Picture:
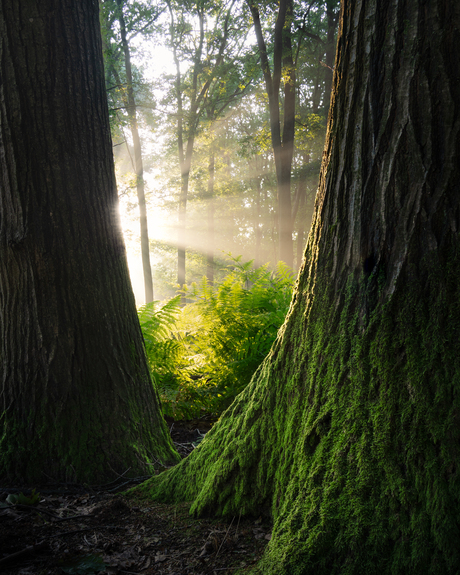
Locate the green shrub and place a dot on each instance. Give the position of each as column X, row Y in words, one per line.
column 209, row 350
column 162, row 348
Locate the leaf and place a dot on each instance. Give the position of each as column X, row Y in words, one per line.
column 22, row 499
column 32, row 500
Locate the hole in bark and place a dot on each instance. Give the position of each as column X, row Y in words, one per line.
column 369, row 264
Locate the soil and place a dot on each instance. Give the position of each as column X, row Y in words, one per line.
column 80, row 530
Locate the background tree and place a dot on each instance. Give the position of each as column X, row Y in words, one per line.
column 348, row 433
column 76, row 397
column 199, row 90
column 238, row 205
column 295, row 27
column 118, row 30
column 284, row 72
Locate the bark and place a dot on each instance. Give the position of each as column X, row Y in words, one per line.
column 138, row 163
column 257, row 174
column 332, row 14
column 76, row 400
column 348, row 433
column 256, row 179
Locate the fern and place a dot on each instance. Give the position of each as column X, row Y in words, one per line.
column 201, row 356
column 239, row 320
column 162, row 350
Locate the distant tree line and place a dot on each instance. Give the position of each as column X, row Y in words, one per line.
column 241, row 116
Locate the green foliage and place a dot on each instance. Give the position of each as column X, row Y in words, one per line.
column 203, row 355
column 162, row 349
column 238, row 322
column 22, row 499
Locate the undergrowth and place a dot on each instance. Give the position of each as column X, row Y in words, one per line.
column 202, row 355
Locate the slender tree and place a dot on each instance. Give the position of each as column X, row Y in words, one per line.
column 282, row 82
column 284, row 71
column 207, row 88
column 114, row 12
column 138, row 163
column 210, row 215
column 348, row 433
column 76, row 398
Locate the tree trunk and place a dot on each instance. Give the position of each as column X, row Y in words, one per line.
column 185, row 165
column 185, row 142
column 332, row 20
column 287, row 148
column 210, row 214
column 283, row 144
column 348, row 433
column 76, row 400
column 138, row 164
column 256, row 178
column 301, row 211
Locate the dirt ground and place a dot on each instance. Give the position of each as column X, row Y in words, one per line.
column 84, row 530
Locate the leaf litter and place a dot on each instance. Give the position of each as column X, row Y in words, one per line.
column 81, row 531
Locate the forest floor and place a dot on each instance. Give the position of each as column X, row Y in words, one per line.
column 80, row 530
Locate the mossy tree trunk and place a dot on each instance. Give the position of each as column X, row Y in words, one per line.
column 76, row 399
column 349, row 432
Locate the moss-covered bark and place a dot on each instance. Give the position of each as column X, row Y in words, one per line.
column 76, row 399
column 349, row 434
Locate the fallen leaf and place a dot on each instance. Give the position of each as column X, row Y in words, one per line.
column 160, row 558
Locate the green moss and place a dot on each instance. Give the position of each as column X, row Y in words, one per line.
column 348, row 434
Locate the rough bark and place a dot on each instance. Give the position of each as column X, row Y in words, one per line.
column 349, row 432
column 76, row 399
column 332, row 14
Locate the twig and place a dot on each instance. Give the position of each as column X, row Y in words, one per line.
column 133, row 480
column 52, row 478
column 114, row 481
column 225, row 537
column 60, row 519
column 70, row 532
column 64, row 533
column 36, row 509
column 25, row 551
column 238, row 524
